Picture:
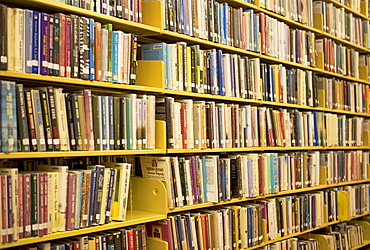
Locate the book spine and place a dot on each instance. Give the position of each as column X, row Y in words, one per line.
column 76, row 121
column 28, row 17
column 70, row 124
column 40, row 203
column 85, row 205
column 115, row 36
column 75, row 26
column 4, row 208
column 27, row 188
column 56, row 44
column 89, row 119
column 10, row 209
column 110, row 51
column 47, row 121
column 68, row 46
column 62, row 45
column 119, row 12
column 53, row 118
column 98, row 51
column 34, row 205
column 50, row 45
column 39, row 123
column 71, row 201
column 35, row 42
column 91, row 49
column 92, row 199
column 44, row 39
column 84, row 69
column 8, row 122
column 110, row 196
column 3, row 37
column 20, row 215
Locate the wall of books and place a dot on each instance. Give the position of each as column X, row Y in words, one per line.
column 184, row 124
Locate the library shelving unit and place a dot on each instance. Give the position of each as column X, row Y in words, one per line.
column 148, row 201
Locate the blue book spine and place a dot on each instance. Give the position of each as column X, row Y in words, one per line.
column 28, row 40
column 91, row 49
column 104, row 6
column 307, row 224
column 93, row 180
column 103, row 241
column 110, row 196
column 204, row 170
column 44, row 48
column 249, row 226
column 8, row 117
column 76, row 3
column 276, row 173
column 221, row 86
column 115, row 35
column 220, row 128
column 156, row 51
column 104, row 122
column 99, row 193
column 110, row 124
column 224, row 21
column 223, row 179
column 214, row 83
column 35, row 42
column 10, row 209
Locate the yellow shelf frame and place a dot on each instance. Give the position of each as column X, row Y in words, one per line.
column 144, row 192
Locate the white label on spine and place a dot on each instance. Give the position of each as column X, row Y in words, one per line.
column 56, row 66
column 97, row 141
column 50, row 65
column 4, row 59
column 35, row 63
column 126, row 11
column 111, row 142
column 107, row 213
column 75, row 69
column 86, row 71
column 73, row 142
column 92, row 142
column 50, row 141
column 84, row 217
column 84, row 47
column 109, row 73
column 85, row 141
column 34, row 142
column 104, row 142
column 104, row 5
column 35, row 227
column 132, row 76
column 68, row 68
column 29, row 63
column 119, row 8
column 92, row 70
column 45, row 64
column 42, row 141
column 27, row 228
column 56, row 141
column 26, row 141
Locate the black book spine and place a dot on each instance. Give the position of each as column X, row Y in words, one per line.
column 119, row 8
column 23, row 135
column 72, row 136
column 47, row 122
column 31, row 121
column 84, row 48
column 75, row 26
column 76, row 121
column 3, row 37
column 132, row 73
column 53, row 118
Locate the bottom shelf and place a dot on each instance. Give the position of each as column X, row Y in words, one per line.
column 133, row 218
column 366, row 243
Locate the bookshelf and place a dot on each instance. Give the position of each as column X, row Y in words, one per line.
column 151, row 79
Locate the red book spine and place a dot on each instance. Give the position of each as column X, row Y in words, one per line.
column 184, row 126
column 4, row 209
column 261, row 175
column 62, row 24
column 71, row 201
column 41, row 202
column 130, row 239
column 233, row 134
column 126, row 11
column 46, row 201
column 282, row 121
column 68, row 46
column 140, row 12
column 20, row 206
column 98, row 52
column 27, row 205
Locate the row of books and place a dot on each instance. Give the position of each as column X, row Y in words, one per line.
column 342, row 235
column 213, row 21
column 244, row 225
column 299, row 11
column 287, row 43
column 66, row 46
column 355, row 5
column 126, row 9
column 338, row 58
column 200, row 124
column 343, row 95
column 293, row 243
column 213, row 178
column 54, row 198
column 48, row 119
column 336, row 21
column 188, row 68
column 134, row 237
column 304, row 87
